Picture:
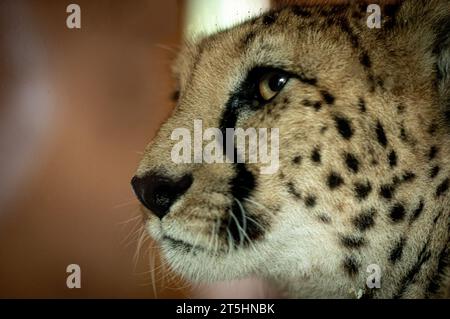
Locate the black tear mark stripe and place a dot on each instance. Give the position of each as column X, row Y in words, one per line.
column 363, row 190
column 365, row 220
column 242, row 184
column 351, row 265
column 397, row 251
column 344, row 127
column 334, row 180
column 352, row 241
column 381, row 135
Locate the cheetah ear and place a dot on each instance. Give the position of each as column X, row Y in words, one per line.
column 441, row 50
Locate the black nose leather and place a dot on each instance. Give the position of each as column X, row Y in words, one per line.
column 158, row 192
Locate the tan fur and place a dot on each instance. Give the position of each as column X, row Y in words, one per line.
column 302, row 248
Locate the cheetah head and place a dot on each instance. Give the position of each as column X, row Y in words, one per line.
column 363, row 149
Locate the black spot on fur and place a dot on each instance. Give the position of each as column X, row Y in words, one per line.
column 248, row 38
column 270, row 18
column 362, row 190
column 403, row 135
column 352, row 162
column 436, row 218
column 397, row 212
column 432, row 129
column 297, row 160
column 344, row 127
column 434, row 171
column 352, row 241
column 408, row 176
column 381, row 135
column 324, row 218
column 401, row 108
column 365, row 220
column 317, row 105
column 310, row 201
column 392, row 159
column 311, row 81
column 307, row 103
column 442, row 188
column 351, row 265
column 300, row 12
column 397, row 251
column 387, row 191
column 365, row 59
column 328, row 97
column 418, row 210
column 362, row 105
column 292, row 190
column 390, row 12
column 315, row 155
column 334, row 180
column 433, row 152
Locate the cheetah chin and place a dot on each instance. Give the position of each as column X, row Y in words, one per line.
column 360, row 204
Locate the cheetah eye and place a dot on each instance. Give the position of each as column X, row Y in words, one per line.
column 271, row 84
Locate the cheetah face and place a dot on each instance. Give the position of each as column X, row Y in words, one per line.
column 360, row 155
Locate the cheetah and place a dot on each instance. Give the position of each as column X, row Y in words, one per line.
column 364, row 149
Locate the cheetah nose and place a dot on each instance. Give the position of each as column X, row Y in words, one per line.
column 158, row 192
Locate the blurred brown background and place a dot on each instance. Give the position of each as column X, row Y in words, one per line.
column 76, row 108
